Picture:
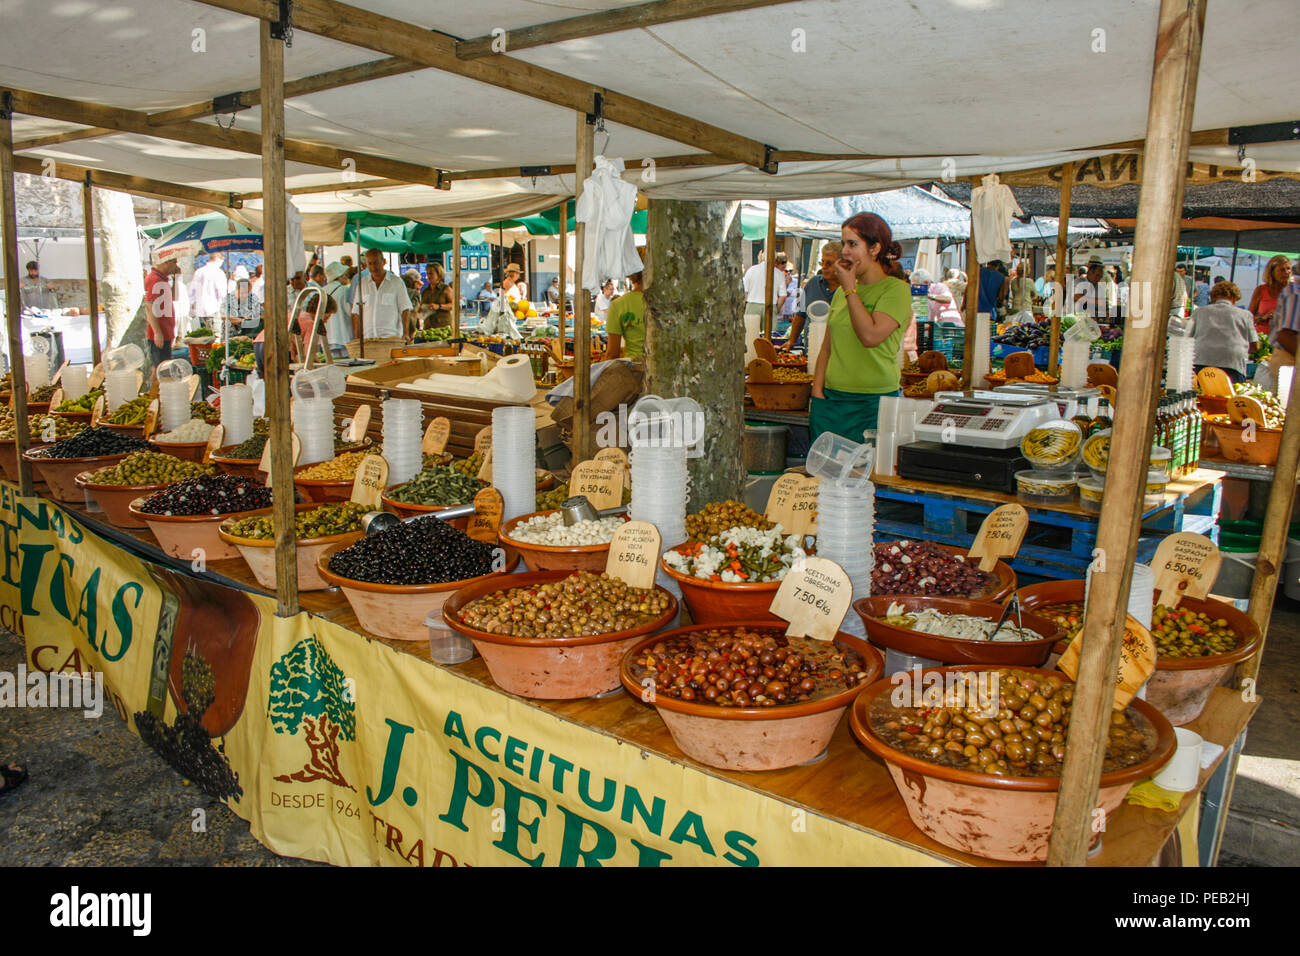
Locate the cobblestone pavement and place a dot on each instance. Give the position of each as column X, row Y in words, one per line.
column 97, row 796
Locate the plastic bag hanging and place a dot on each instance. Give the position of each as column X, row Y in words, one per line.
column 605, row 207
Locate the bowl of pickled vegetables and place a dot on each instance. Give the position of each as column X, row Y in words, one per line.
column 1052, row 446
column 957, row 631
column 1197, row 643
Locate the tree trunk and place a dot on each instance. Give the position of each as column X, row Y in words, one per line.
column 122, row 285
column 695, row 332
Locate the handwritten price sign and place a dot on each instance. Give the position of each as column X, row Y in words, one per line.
column 370, row 481
column 600, row 481
column 1000, row 535
column 1185, row 564
column 814, row 597
column 1137, row 661
column 483, row 440
column 436, row 435
column 634, row 554
column 793, row 504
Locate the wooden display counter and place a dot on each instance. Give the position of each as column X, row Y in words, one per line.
column 848, row 785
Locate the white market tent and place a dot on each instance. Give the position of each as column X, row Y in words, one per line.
column 733, row 99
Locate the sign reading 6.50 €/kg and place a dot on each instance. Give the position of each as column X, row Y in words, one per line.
column 1185, row 564
column 634, row 554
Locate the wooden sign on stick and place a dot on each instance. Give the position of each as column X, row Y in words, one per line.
column 488, row 508
column 295, row 444
column 97, row 412
column 356, row 430
column 1000, row 535
column 58, row 373
column 215, row 440
column 370, row 481
column 483, row 440
column 619, row 456
column 436, row 435
column 814, row 596
column 600, row 481
column 1137, row 661
column 151, row 419
column 1185, row 564
column 634, row 554
column 793, row 504
column 485, row 469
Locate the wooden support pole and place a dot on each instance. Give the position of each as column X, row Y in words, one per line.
column 1169, row 120
column 92, row 272
column 13, row 297
column 455, row 282
column 564, row 269
column 769, row 254
column 1272, row 543
column 582, row 418
column 971, row 309
column 1062, row 244
column 277, row 310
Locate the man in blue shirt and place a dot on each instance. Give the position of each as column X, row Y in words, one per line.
column 994, row 287
column 820, row 288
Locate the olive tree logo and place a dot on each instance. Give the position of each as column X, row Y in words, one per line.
column 309, row 693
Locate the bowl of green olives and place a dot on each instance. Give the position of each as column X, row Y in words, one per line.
column 1197, row 643
column 114, row 488
column 317, row 527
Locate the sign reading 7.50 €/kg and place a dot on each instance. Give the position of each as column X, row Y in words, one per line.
column 814, row 596
column 1000, row 535
column 634, row 554
column 1185, row 564
column 793, row 504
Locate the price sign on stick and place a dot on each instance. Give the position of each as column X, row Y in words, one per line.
column 634, row 554
column 485, row 469
column 1185, row 563
column 814, row 596
column 58, row 374
column 139, row 381
column 483, row 524
column 151, row 419
column 765, row 350
column 1137, row 661
column 483, row 440
column 215, row 440
column 436, row 435
column 600, row 481
column 759, row 370
column 1000, row 535
column 265, row 464
column 1243, row 408
column 96, row 377
column 194, row 386
column 793, row 504
column 370, row 481
column 56, row 398
column 615, row 455
column 360, row 422
column 97, row 412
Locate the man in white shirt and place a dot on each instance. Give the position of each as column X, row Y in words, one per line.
column 208, row 291
column 755, row 283
column 381, row 308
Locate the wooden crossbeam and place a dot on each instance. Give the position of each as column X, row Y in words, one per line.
column 204, row 134
column 606, row 21
column 72, row 136
column 353, row 25
column 122, row 183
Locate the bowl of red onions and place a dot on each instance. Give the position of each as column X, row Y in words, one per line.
column 937, row 570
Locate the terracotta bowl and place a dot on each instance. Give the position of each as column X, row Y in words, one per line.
column 259, row 553
column 180, row 535
column 1262, row 450
column 38, row 408
column 136, row 431
column 1181, row 686
column 75, row 416
column 9, row 456
column 320, row 491
column 60, row 474
column 560, row 668
column 406, row 510
column 998, row 591
column 998, row 818
column 752, row 738
column 722, row 602
column 544, row 557
column 397, row 611
column 115, row 500
column 951, row 650
column 239, row 467
column 184, row 450
column 545, row 480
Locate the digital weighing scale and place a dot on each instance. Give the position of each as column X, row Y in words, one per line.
column 1069, row 401
column 972, row 438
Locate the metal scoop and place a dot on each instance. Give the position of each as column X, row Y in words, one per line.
column 375, row 522
column 578, row 508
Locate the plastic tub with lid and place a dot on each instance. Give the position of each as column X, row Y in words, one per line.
column 1041, row 488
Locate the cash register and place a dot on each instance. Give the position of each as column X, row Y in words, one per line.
column 972, row 438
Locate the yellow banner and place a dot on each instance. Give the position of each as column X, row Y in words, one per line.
column 340, row 749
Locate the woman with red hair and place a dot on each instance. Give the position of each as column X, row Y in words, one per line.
column 872, row 307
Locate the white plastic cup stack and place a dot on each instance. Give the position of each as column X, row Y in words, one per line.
column 173, row 393
column 660, row 478
column 75, row 381
column 1178, row 363
column 237, row 413
column 402, row 436
column 846, row 519
column 37, row 368
column 1074, row 363
column 514, row 459
column 119, row 388
column 313, row 421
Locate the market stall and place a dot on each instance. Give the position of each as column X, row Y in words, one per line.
column 366, row 700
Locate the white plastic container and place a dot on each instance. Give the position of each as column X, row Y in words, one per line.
column 1039, row 488
column 445, row 645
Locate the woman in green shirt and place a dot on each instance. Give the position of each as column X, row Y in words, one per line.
column 858, row 362
column 625, row 323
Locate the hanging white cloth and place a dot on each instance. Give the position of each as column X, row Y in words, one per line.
column 606, row 206
column 992, row 204
column 295, row 253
